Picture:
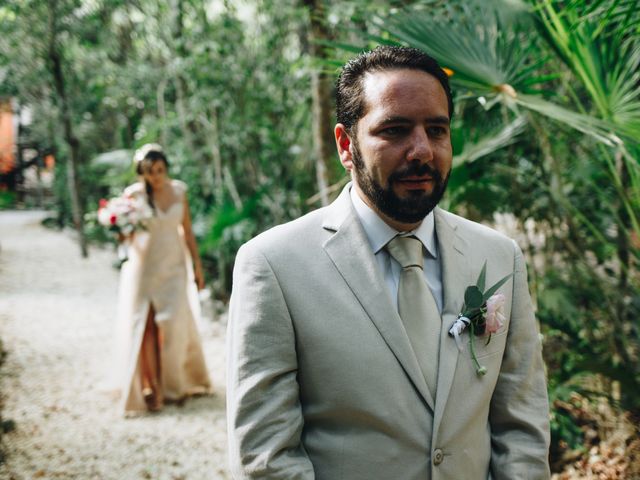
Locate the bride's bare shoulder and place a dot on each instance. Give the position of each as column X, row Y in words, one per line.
column 135, row 189
column 179, row 186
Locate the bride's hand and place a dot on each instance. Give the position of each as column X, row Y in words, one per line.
column 125, row 238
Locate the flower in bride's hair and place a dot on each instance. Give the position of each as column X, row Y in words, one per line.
column 142, row 152
column 495, row 313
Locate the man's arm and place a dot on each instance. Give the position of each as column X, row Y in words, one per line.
column 264, row 416
column 519, row 415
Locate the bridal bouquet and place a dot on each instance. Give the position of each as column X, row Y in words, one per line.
column 125, row 214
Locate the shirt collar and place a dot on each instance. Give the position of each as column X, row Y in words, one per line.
column 379, row 233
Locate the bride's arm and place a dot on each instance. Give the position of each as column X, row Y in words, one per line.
column 192, row 246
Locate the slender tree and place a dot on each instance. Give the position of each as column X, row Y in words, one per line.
column 321, row 90
column 55, row 64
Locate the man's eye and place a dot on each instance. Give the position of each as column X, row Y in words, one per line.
column 394, row 131
column 436, row 131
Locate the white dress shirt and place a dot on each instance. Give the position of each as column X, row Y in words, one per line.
column 379, row 234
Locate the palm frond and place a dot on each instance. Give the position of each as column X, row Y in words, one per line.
column 488, row 61
column 624, row 14
column 599, row 51
column 476, row 53
column 490, row 143
column 597, row 128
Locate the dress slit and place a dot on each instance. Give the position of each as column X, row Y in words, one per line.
column 150, row 362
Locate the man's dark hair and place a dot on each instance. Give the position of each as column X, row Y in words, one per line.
column 349, row 87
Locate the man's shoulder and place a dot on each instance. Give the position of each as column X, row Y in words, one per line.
column 475, row 232
column 303, row 232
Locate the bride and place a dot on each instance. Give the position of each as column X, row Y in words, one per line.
column 161, row 359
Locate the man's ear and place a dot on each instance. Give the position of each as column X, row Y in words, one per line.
column 343, row 143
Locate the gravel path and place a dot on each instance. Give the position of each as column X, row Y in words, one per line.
column 56, row 319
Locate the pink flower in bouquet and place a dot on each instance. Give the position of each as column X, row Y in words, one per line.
column 495, row 315
column 103, row 202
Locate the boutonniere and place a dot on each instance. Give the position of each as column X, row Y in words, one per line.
column 482, row 313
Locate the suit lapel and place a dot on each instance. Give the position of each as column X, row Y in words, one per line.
column 349, row 250
column 455, row 278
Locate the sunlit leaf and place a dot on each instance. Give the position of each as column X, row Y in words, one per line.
column 491, row 142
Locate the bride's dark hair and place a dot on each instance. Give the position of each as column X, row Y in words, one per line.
column 144, row 165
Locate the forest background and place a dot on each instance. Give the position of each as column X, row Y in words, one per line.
column 240, row 94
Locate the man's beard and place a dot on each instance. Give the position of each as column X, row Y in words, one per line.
column 412, row 209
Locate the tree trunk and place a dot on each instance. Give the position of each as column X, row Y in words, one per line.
column 213, row 141
column 321, row 90
column 162, row 112
column 19, row 177
column 55, row 68
column 624, row 258
column 188, row 125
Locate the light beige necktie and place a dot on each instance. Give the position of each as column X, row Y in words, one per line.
column 416, row 306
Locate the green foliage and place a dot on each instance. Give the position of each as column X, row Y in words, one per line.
column 225, row 90
column 7, row 199
column 563, row 425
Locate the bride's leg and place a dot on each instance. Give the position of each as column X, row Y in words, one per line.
column 150, row 363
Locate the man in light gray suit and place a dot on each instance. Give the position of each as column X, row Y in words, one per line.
column 340, row 361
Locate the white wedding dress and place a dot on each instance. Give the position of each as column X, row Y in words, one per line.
column 159, row 273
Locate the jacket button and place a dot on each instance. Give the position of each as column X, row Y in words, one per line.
column 438, row 456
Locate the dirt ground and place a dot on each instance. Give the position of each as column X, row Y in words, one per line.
column 56, row 320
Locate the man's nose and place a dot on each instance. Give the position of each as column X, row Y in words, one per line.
column 420, row 147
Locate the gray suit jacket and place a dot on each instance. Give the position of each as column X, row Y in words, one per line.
column 322, row 381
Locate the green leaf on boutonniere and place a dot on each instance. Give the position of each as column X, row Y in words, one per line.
column 482, row 277
column 495, row 288
column 473, row 297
